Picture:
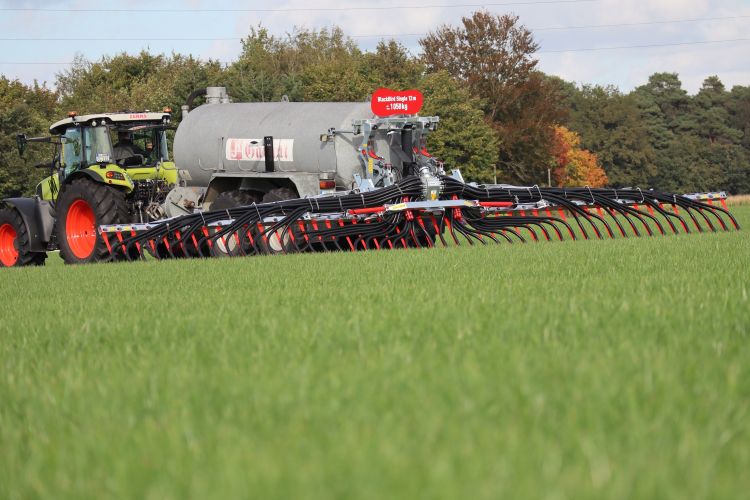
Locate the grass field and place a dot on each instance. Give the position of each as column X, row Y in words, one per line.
column 601, row 369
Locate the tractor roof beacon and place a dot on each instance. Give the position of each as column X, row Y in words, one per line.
column 109, row 168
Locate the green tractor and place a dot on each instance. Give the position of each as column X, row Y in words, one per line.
column 109, row 168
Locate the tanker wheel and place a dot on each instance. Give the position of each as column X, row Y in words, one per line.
column 278, row 242
column 84, row 205
column 15, row 245
column 228, row 247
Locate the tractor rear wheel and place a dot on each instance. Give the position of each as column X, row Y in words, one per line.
column 229, row 247
column 84, row 205
column 15, row 245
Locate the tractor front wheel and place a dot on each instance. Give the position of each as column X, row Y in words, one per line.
column 82, row 207
column 15, row 246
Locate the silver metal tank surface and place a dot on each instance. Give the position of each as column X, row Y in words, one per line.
column 228, row 138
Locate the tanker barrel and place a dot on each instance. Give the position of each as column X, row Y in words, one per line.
column 230, row 139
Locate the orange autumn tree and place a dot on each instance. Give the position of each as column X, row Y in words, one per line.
column 573, row 165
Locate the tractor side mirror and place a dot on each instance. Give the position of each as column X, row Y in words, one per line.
column 45, row 165
column 21, row 143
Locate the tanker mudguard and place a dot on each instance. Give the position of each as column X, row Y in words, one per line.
column 38, row 215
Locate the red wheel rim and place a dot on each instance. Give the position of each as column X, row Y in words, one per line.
column 8, row 251
column 80, row 229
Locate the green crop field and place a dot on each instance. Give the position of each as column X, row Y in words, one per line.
column 600, row 369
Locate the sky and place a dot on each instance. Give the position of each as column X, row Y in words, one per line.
column 580, row 40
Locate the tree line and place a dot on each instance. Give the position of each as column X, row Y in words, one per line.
column 501, row 117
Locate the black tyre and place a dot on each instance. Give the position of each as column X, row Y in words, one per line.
column 15, row 248
column 279, row 194
column 278, row 242
column 229, row 247
column 84, row 205
column 237, row 198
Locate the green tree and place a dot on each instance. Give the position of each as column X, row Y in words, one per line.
column 304, row 65
column 464, row 139
column 735, row 160
column 611, row 126
column 260, row 74
column 94, row 87
column 665, row 91
column 665, row 110
column 739, row 112
column 317, row 65
column 29, row 110
column 696, row 140
column 139, row 82
column 176, row 79
column 709, row 117
column 391, row 65
column 493, row 57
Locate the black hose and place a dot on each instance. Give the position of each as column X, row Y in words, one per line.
column 195, row 234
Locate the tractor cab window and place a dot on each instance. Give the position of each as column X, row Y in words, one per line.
column 127, row 151
column 160, row 145
column 144, row 146
column 97, row 144
column 72, row 149
column 140, row 146
column 154, row 144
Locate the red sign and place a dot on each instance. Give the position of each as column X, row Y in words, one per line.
column 387, row 102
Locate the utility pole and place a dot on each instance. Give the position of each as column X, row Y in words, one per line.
column 549, row 178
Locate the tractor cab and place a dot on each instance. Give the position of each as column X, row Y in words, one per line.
column 126, row 139
column 106, row 168
column 114, row 148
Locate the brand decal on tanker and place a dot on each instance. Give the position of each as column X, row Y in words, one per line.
column 253, row 150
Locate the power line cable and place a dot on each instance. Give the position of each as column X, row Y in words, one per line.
column 290, row 9
column 579, row 49
column 643, row 46
column 390, row 35
column 642, row 23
